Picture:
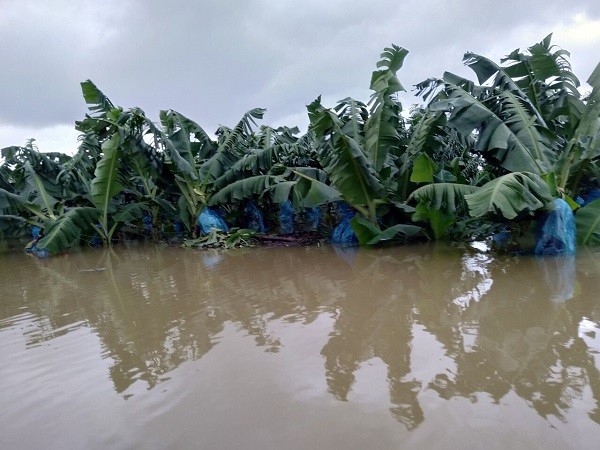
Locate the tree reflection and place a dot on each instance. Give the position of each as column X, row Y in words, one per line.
column 507, row 324
column 377, row 324
column 526, row 340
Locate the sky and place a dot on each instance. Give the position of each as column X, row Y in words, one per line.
column 213, row 60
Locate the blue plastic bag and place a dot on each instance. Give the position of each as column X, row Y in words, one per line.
column 312, row 218
column 179, row 228
column 147, row 221
column 209, row 219
column 343, row 232
column 592, row 195
column 253, row 218
column 35, row 232
column 556, row 231
column 286, row 218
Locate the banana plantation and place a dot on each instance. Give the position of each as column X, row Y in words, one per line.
column 475, row 159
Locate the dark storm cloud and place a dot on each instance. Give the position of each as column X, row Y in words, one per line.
column 214, row 60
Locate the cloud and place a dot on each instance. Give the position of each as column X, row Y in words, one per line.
column 214, row 60
column 59, row 138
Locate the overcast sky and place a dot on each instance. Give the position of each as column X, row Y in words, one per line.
column 212, row 60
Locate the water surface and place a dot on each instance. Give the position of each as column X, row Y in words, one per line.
column 318, row 347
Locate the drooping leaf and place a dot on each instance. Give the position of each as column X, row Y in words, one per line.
column 368, row 234
column 43, row 198
column 13, row 202
column 309, row 192
column 130, row 212
column 244, row 188
column 546, row 76
column 353, row 115
column 231, row 140
column 527, row 126
column 445, row 197
column 173, row 122
column 510, row 195
column 68, row 228
column 424, row 131
column 217, row 165
column 311, row 172
column 175, row 144
column 253, row 163
column 486, row 69
column 350, row 172
column 498, row 138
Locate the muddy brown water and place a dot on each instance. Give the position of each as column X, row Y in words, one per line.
column 299, row 348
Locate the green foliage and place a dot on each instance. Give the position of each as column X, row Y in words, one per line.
column 218, row 239
column 68, row 228
column 440, row 204
column 309, row 192
column 381, row 129
column 106, row 184
column 587, row 222
column 491, row 151
column 424, row 169
column 347, row 166
column 439, row 221
column 497, row 139
column 509, row 196
column 368, row 234
column 96, row 100
column 446, row 197
column 241, row 189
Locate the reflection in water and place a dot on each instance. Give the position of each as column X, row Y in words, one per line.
column 559, row 275
column 505, row 325
column 475, row 279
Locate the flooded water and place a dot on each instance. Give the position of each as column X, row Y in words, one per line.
column 299, row 348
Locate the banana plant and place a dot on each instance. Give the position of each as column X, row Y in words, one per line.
column 347, row 165
column 382, row 128
column 277, row 166
column 359, row 147
column 32, row 189
column 34, row 201
column 196, row 164
column 129, row 157
column 527, row 128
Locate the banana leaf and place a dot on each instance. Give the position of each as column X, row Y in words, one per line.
column 381, row 129
column 445, row 197
column 66, row 231
column 347, row 166
column 309, row 192
column 516, row 142
column 510, row 195
column 10, row 201
column 43, row 198
column 95, row 98
column 424, row 169
column 106, row 184
column 368, row 234
column 244, row 188
column 353, row 114
column 260, row 160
